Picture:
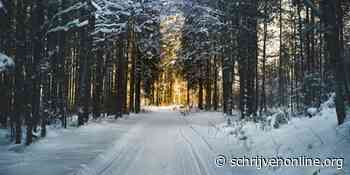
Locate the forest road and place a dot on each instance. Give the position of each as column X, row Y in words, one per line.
column 161, row 143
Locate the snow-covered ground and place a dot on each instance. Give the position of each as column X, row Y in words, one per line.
column 163, row 142
column 317, row 137
column 62, row 152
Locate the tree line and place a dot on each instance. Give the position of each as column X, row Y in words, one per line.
column 287, row 54
column 96, row 58
column 84, row 57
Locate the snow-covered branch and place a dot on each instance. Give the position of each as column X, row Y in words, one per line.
column 6, row 63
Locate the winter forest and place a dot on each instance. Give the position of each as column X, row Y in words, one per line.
column 171, row 87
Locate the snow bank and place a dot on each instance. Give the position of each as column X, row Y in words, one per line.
column 4, row 134
column 63, row 151
column 316, row 137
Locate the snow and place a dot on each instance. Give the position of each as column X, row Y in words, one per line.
column 1, row 5
column 84, row 23
column 69, row 25
column 3, row 136
column 64, row 150
column 2, row 8
column 162, row 141
column 6, row 63
column 94, row 4
column 74, row 7
column 312, row 111
column 316, row 137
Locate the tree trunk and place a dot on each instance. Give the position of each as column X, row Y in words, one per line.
column 132, row 77
column 227, row 85
column 215, row 95
column 138, row 83
column 83, row 79
column 188, row 94
column 200, row 93
column 120, row 79
column 19, row 80
column 332, row 41
column 98, row 90
column 208, row 86
column 263, row 91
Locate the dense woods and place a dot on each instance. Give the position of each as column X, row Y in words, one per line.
column 284, row 54
column 93, row 58
column 75, row 57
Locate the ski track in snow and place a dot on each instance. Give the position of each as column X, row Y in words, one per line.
column 195, row 155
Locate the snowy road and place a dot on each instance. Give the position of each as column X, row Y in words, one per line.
column 161, row 142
